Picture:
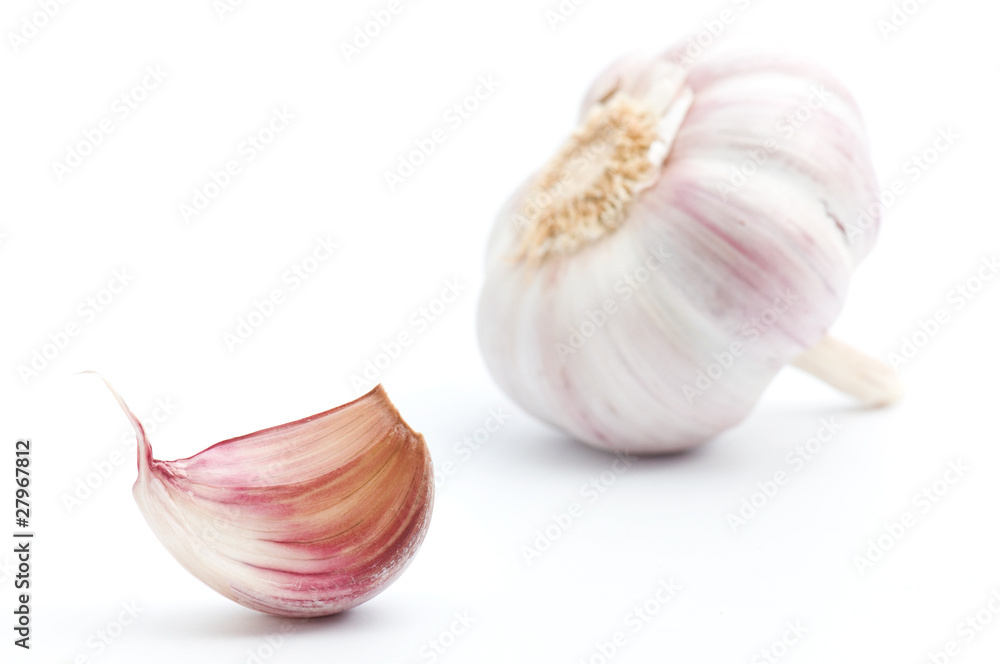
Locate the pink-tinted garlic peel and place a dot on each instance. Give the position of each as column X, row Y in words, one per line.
column 305, row 519
column 645, row 307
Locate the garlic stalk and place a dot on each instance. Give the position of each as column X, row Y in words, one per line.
column 686, row 243
column 304, row 519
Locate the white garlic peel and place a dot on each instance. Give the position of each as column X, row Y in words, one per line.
column 306, row 519
column 625, row 272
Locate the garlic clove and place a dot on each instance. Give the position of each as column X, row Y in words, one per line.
column 305, row 519
column 622, row 275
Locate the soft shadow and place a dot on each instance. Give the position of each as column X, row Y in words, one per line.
column 236, row 621
column 767, row 427
column 549, row 447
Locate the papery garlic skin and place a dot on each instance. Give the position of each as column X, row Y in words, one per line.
column 306, row 519
column 607, row 336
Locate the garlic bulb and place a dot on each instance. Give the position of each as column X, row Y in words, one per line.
column 304, row 519
column 689, row 241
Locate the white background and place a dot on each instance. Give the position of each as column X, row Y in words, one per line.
column 162, row 338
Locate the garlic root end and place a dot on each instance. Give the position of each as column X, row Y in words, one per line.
column 869, row 380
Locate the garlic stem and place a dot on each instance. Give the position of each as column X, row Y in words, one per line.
column 869, row 380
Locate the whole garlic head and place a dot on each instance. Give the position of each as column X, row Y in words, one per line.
column 688, row 242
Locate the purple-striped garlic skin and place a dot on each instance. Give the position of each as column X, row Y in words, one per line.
column 629, row 340
column 305, row 519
